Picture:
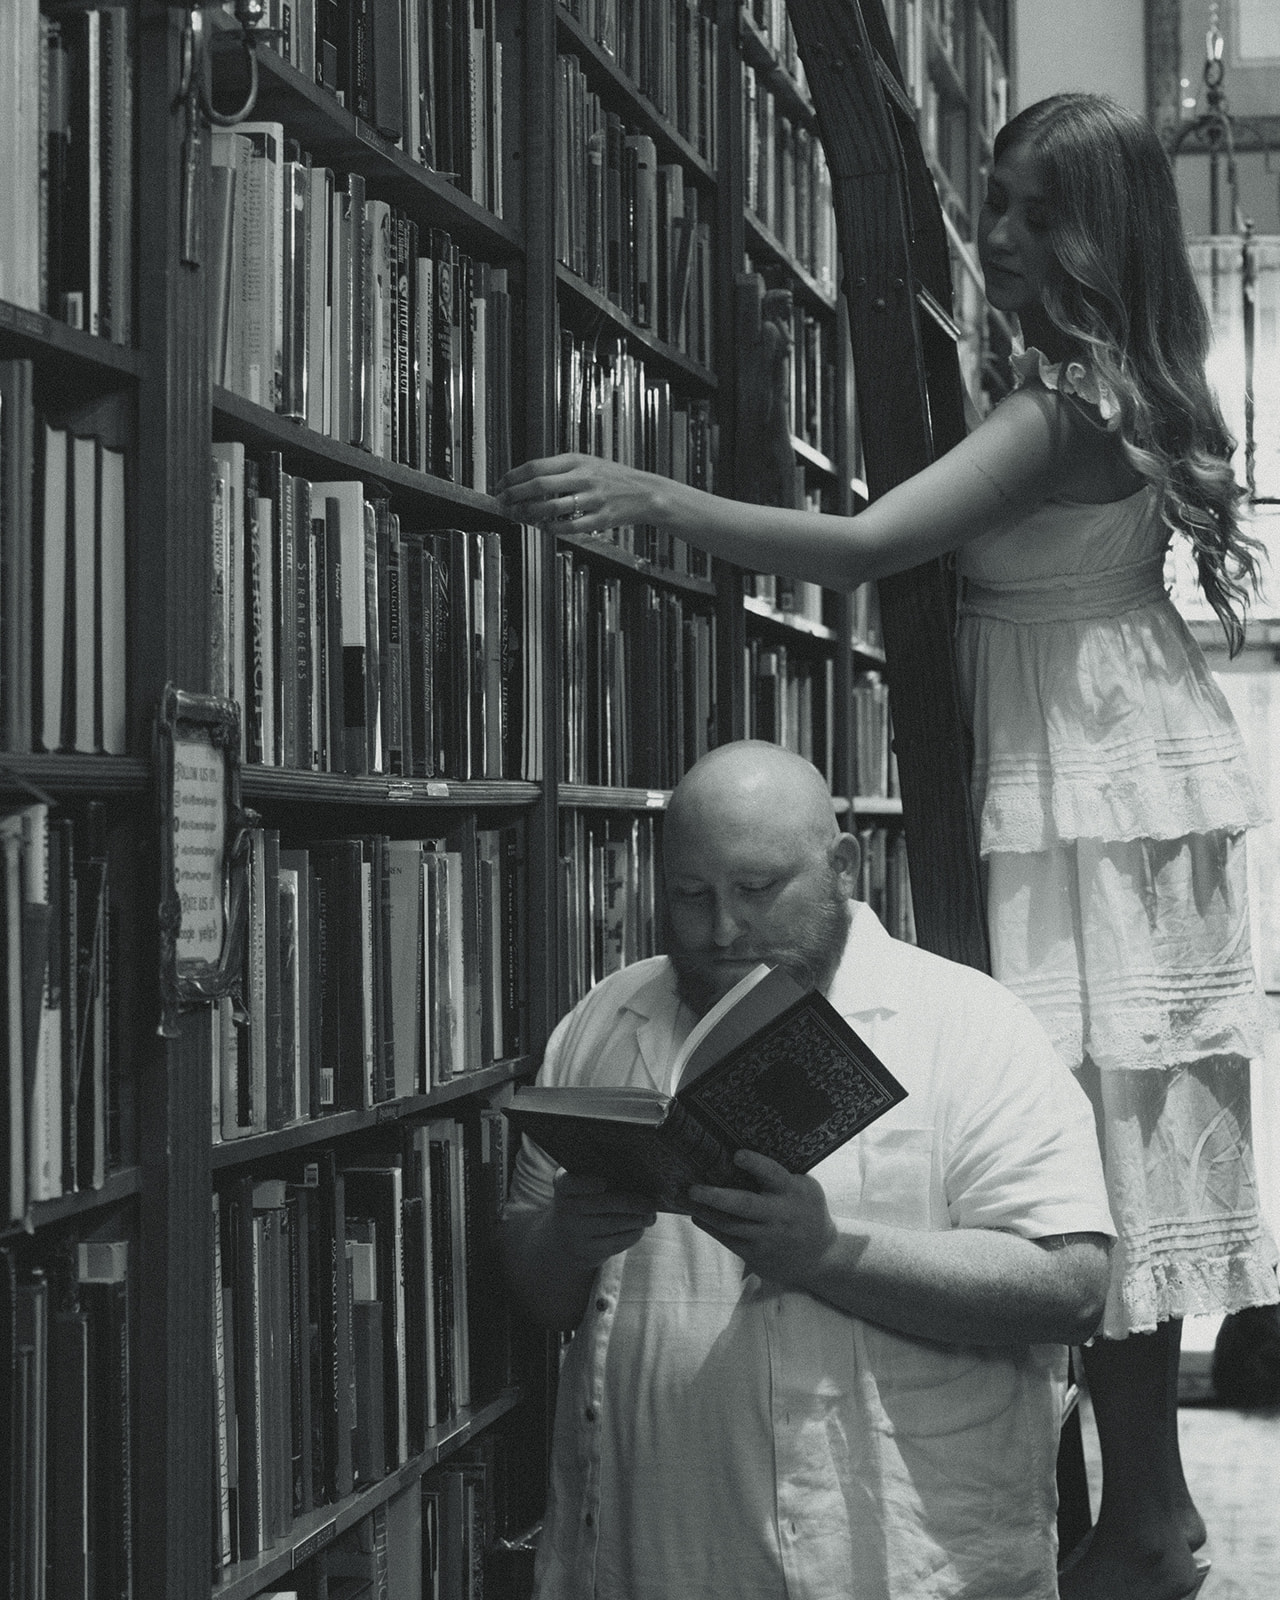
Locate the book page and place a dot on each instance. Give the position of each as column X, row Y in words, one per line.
column 753, row 1001
column 646, row 1107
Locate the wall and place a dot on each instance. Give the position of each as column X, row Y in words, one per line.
column 1098, row 45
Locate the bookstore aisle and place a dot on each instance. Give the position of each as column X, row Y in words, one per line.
column 324, row 790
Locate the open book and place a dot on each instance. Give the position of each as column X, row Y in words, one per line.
column 771, row 1067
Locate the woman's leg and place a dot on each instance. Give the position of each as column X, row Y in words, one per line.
column 1193, row 1527
column 1139, row 1548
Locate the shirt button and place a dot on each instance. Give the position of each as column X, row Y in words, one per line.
column 602, row 1304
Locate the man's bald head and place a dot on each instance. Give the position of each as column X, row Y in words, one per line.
column 756, row 869
column 750, row 786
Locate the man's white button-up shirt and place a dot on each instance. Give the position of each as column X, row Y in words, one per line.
column 719, row 1436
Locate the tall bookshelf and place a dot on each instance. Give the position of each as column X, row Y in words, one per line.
column 519, row 822
column 955, row 58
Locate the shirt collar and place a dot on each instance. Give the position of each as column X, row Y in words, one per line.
column 662, row 1027
column 867, row 979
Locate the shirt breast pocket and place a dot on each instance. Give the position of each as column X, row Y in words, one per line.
column 898, row 1178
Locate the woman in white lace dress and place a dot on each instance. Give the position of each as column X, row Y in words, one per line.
column 1110, row 782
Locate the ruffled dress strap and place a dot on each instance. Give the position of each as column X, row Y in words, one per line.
column 1064, row 377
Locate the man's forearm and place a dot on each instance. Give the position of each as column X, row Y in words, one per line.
column 551, row 1285
column 965, row 1286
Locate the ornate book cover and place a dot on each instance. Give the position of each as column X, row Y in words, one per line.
column 772, row 1067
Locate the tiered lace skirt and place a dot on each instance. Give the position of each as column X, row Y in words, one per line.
column 1113, row 794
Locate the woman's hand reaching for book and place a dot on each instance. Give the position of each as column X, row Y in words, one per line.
column 596, row 1222
column 782, row 1230
column 582, row 494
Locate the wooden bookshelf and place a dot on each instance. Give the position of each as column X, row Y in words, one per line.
column 154, row 400
column 314, row 1532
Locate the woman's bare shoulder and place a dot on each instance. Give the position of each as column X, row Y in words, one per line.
column 1083, row 459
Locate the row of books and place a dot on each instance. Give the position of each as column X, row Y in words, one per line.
column 356, row 1310
column 789, row 699
column 610, row 404
column 865, row 622
column 948, row 25
column 993, row 82
column 426, row 74
column 884, row 879
column 771, row 22
column 627, row 223
column 55, row 946
column 786, row 180
column 63, row 624
column 906, row 27
column 638, row 679
column 793, row 597
column 812, row 380
column 944, row 133
column 435, row 1539
column 335, row 309
column 668, row 49
column 66, row 150
column 376, row 969
column 608, row 897
column 355, row 645
column 66, row 1395
column 875, row 766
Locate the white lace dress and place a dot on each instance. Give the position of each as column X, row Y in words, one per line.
column 1113, row 793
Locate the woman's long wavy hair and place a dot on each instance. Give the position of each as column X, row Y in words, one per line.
column 1125, row 294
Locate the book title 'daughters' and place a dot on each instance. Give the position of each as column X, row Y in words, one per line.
column 772, row 1067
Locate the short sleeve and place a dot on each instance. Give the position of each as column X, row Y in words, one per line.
column 1020, row 1150
column 1074, row 378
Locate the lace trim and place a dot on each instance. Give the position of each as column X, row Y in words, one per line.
column 1143, row 1034
column 1065, row 377
column 1205, row 1277
column 1032, row 808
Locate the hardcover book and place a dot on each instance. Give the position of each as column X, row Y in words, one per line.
column 772, row 1067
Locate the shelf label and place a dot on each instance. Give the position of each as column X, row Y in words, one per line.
column 313, row 1542
column 199, row 839
column 399, row 791
column 437, row 790
column 655, row 799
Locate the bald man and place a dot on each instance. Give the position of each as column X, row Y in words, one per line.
column 841, row 1386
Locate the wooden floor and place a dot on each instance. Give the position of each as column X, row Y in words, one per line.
column 1232, row 1462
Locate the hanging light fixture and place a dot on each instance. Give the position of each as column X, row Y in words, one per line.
column 1239, row 275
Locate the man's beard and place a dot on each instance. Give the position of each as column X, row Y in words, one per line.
column 811, row 955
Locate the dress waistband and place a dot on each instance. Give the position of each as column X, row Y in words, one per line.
column 1073, row 597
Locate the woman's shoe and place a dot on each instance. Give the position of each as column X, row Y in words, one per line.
column 1202, row 1572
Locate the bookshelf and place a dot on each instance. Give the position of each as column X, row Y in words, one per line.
column 955, row 59
column 491, row 780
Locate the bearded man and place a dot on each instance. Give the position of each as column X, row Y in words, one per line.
column 847, row 1383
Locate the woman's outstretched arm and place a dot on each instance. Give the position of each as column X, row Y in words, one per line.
column 1016, row 459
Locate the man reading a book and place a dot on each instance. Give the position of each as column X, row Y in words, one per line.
column 840, row 1384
